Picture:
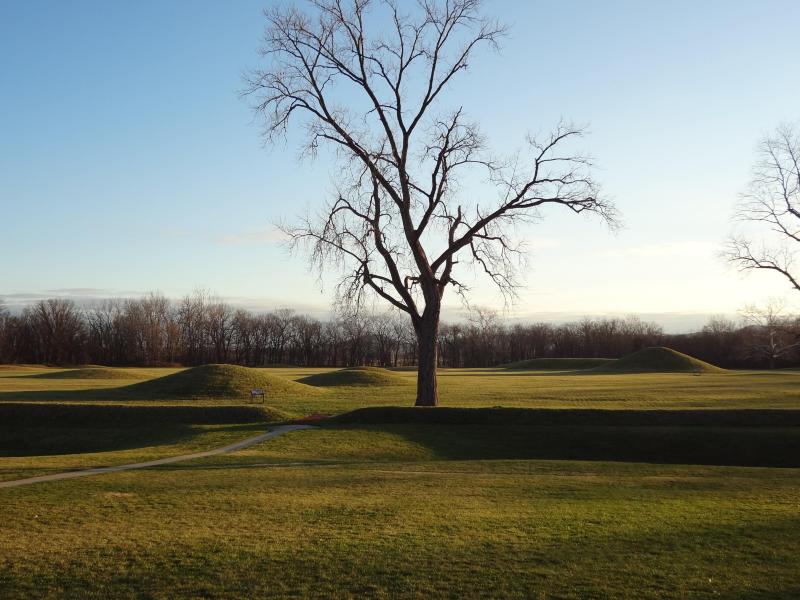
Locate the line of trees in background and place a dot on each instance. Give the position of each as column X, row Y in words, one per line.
column 199, row 329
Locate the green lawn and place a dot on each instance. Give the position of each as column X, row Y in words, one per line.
column 28, row 451
column 352, row 513
column 411, row 509
column 471, row 388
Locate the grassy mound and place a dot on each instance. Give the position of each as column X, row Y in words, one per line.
column 217, row 381
column 557, row 364
column 355, row 376
column 658, row 360
column 93, row 373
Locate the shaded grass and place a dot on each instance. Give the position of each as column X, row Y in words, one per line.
column 498, row 416
column 743, row 446
column 21, row 441
column 39, row 450
column 30, row 413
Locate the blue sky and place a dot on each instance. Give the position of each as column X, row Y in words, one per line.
column 128, row 163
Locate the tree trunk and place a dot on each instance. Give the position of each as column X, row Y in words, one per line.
column 428, row 355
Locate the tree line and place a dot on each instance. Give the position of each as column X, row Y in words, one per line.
column 200, row 329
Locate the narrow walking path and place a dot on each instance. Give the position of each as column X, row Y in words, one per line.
column 275, row 432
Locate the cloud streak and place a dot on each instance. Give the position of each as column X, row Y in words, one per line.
column 269, row 235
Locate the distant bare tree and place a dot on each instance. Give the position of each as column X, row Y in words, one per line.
column 4, row 314
column 59, row 329
column 775, row 335
column 219, row 328
column 387, row 330
column 103, row 322
column 192, row 316
column 772, row 201
column 243, row 338
column 308, row 336
column 397, row 225
column 279, row 326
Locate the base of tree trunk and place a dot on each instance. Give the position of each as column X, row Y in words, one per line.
column 426, row 403
column 427, row 388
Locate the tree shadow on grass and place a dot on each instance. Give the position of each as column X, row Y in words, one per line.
column 54, row 440
column 733, row 446
column 54, row 414
column 63, row 395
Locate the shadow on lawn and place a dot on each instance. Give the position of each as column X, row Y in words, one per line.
column 755, row 447
column 43, row 440
column 54, row 414
column 766, row 438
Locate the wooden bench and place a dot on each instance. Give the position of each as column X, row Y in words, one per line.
column 257, row 393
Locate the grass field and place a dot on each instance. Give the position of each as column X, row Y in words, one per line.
column 407, row 507
column 458, row 387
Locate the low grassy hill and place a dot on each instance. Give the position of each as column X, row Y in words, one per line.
column 218, row 381
column 557, row 364
column 355, row 376
column 658, row 360
column 93, row 373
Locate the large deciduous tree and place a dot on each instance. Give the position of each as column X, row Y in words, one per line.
column 772, row 204
column 368, row 78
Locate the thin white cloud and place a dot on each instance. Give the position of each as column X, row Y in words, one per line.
column 81, row 291
column 269, row 235
column 673, row 250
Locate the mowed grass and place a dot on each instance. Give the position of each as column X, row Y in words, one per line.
column 376, row 513
column 458, row 387
column 29, row 451
column 408, row 510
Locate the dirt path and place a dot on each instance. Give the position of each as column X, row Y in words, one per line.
column 275, row 432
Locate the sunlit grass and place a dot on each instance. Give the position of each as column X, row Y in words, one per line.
column 404, row 523
column 471, row 388
column 407, row 510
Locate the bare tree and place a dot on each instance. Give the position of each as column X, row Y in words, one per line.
column 4, row 314
column 59, row 328
column 775, row 334
column 365, row 78
column 772, row 201
column 103, row 324
column 219, row 329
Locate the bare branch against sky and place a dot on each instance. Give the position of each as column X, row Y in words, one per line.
column 398, row 225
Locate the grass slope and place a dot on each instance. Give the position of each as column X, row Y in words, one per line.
column 557, row 364
column 472, row 388
column 27, row 451
column 218, row 381
column 658, row 360
column 92, row 373
column 508, row 417
column 355, row 376
column 775, row 446
column 15, row 414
